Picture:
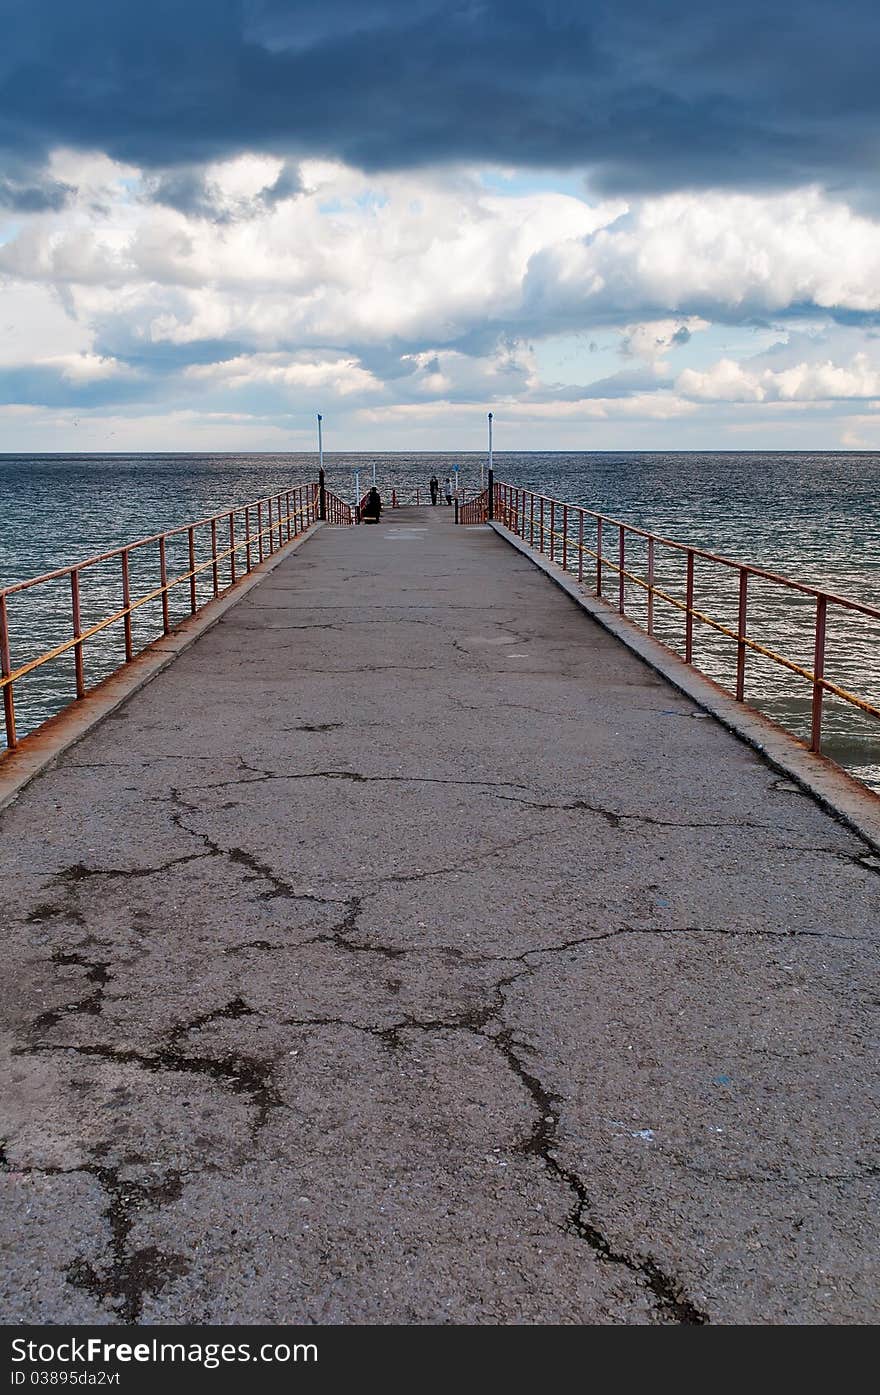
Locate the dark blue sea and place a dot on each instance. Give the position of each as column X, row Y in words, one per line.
column 814, row 517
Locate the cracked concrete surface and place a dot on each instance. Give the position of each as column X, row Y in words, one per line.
column 393, row 957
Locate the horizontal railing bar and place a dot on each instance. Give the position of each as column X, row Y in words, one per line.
column 153, row 595
column 752, row 644
column 512, row 505
column 749, row 567
column 143, row 542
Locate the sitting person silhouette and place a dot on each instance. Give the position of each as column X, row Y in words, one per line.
column 372, row 507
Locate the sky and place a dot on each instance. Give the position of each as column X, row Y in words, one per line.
column 618, row 226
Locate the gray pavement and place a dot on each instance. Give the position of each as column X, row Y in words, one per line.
column 408, row 951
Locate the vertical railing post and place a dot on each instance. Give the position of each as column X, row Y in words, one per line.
column 270, row 527
column 621, row 576
column 552, row 530
column 126, row 605
column 289, row 518
column 818, row 675
column 214, row 570
column 260, row 530
column 598, row 556
column 77, row 631
column 247, row 538
column 742, row 614
column 231, row 548
column 650, row 586
column 322, row 497
column 689, row 610
column 163, row 582
column 565, row 537
column 280, row 523
column 531, row 520
column 192, row 570
column 5, row 670
column 580, row 545
column 541, row 526
column 491, row 495
column 455, row 516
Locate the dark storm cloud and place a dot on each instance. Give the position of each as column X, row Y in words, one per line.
column 30, row 197
column 26, row 188
column 649, row 96
column 286, row 186
column 185, row 190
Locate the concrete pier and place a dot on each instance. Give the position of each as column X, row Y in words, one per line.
column 408, row 951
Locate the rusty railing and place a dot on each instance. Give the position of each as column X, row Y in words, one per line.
column 338, row 511
column 624, row 562
column 474, row 510
column 216, row 553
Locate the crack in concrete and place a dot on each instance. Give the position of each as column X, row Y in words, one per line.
column 763, row 934
column 129, row 1276
column 866, row 861
column 340, row 934
column 97, row 972
column 615, row 818
column 254, row 944
column 281, row 887
column 79, row 872
column 231, row 1011
column 466, row 866
column 671, row 1301
column 242, row 1075
column 355, row 777
column 240, row 857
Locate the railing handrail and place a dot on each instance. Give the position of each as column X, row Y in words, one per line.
column 751, row 567
column 143, row 542
column 510, row 502
column 288, row 514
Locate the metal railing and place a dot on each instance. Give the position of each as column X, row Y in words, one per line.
column 337, row 510
column 569, row 534
column 474, row 510
column 216, row 553
column 413, row 498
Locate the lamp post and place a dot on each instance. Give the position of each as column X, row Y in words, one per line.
column 482, row 480
column 491, row 499
column 322, row 497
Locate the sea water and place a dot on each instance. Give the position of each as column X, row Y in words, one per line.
column 814, row 517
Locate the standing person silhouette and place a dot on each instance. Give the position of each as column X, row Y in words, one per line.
column 447, row 489
column 434, row 487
